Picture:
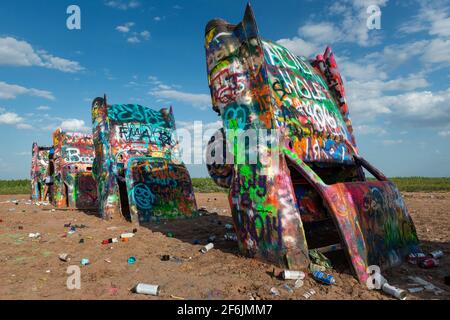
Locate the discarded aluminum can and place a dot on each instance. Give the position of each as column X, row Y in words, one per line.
column 230, row 236
column 150, row 289
column 127, row 235
column 274, row 291
column 64, row 257
column 131, row 260
column 415, row 290
column 85, row 262
column 34, row 235
column 288, row 288
column 292, row 275
column 299, row 283
column 309, row 293
column 428, row 263
column 436, row 254
column 415, row 258
column 394, row 291
column 324, row 277
column 206, row 248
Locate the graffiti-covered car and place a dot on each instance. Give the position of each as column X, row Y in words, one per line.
column 74, row 185
column 139, row 173
column 307, row 188
column 39, row 167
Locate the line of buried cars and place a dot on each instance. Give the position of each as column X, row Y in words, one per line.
column 315, row 196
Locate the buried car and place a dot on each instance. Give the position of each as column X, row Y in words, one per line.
column 139, row 174
column 74, row 186
column 39, row 167
column 302, row 185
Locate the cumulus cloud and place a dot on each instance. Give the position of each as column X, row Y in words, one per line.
column 125, row 28
column 20, row 53
column 123, row 4
column 11, row 91
column 74, row 125
column 10, row 118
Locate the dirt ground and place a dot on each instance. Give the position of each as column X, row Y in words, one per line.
column 30, row 268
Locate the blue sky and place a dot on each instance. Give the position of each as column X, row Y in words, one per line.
column 151, row 52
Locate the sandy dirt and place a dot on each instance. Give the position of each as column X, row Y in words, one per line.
column 31, row 269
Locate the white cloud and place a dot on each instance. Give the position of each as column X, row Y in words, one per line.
column 444, row 133
column 20, row 53
column 322, row 32
column 125, row 28
column 198, row 100
column 145, row 34
column 133, row 39
column 123, row 4
column 24, row 126
column 74, row 125
column 11, row 91
column 391, row 142
column 300, row 47
column 10, row 118
column 369, row 129
column 43, row 108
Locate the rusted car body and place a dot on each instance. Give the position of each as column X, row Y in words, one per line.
column 313, row 191
column 139, row 175
column 74, row 185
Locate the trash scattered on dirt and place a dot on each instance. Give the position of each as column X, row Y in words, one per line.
column 81, row 241
column 288, row 288
column 298, row 284
column 110, row 240
column 436, row 254
column 292, row 275
column 394, row 291
column 324, row 277
column 206, row 248
column 415, row 258
column 176, row 297
column 64, row 257
column 428, row 286
column 107, row 260
column 149, row 289
column 274, row 291
column 131, row 260
column 34, row 235
column 12, row 209
column 415, row 290
column 309, row 293
column 170, row 234
column 85, row 262
column 126, row 235
column 230, row 236
column 429, row 263
column 315, row 267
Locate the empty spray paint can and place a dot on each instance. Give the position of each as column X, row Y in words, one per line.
column 64, row 257
column 292, row 275
column 428, row 263
column 206, row 248
column 394, row 291
column 323, row 277
column 150, row 289
column 436, row 254
column 127, row 235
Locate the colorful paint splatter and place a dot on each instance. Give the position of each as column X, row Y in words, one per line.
column 39, row 165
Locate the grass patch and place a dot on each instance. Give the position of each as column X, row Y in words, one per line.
column 205, row 185
column 15, row 186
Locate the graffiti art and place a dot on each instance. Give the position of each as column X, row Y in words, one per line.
column 139, row 173
column 74, row 185
column 309, row 175
column 39, row 167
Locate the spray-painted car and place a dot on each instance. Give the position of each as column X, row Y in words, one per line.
column 307, row 188
column 39, row 167
column 74, row 185
column 139, row 173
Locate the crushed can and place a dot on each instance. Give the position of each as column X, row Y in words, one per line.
column 324, row 277
column 415, row 258
column 144, row 288
column 436, row 254
column 428, row 263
